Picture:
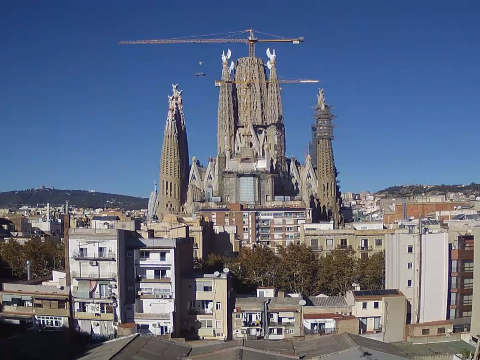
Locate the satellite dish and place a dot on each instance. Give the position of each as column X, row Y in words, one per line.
column 216, row 273
column 226, row 270
column 302, row 302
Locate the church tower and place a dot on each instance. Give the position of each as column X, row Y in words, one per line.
column 327, row 190
column 174, row 165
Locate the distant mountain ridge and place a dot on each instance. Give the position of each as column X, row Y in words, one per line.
column 412, row 190
column 77, row 198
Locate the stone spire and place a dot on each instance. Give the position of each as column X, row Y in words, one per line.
column 183, row 142
column 276, row 129
column 226, row 122
column 169, row 197
column 327, row 191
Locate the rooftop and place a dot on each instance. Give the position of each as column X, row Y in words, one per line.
column 328, row 301
column 370, row 293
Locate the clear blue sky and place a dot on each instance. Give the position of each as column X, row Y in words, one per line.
column 79, row 111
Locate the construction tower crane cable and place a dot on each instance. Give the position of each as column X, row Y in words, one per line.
column 251, row 40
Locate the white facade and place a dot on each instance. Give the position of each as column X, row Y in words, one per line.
column 156, row 286
column 95, row 279
column 418, row 267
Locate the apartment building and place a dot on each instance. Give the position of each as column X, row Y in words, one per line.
column 157, row 265
column 417, row 264
column 475, row 330
column 365, row 242
column 270, row 227
column 380, row 311
column 460, row 277
column 267, row 316
column 97, row 274
column 42, row 306
column 206, row 306
column 323, row 315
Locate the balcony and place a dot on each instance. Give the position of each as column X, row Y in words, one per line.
column 344, row 247
column 365, row 248
column 155, row 279
column 154, row 295
column 102, row 255
column 152, row 316
column 93, row 316
column 94, row 276
column 316, row 248
column 194, row 311
column 88, row 295
column 30, row 310
column 320, row 331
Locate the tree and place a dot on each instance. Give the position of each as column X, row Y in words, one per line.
column 258, row 267
column 371, row 272
column 13, row 255
column 337, row 272
column 300, row 269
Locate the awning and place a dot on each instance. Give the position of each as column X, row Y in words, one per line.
column 6, row 297
column 26, row 297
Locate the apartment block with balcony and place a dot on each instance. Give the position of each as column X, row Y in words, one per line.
column 322, row 239
column 43, row 306
column 158, row 265
column 267, row 316
column 460, row 276
column 208, row 310
column 381, row 313
column 240, row 226
column 97, row 274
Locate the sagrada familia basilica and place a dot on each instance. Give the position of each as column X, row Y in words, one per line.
column 250, row 166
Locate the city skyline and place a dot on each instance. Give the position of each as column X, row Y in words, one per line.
column 92, row 114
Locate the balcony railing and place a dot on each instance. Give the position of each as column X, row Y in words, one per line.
column 156, row 278
column 153, row 316
column 93, row 276
column 344, row 247
column 89, row 295
column 34, row 310
column 365, row 248
column 93, row 316
column 193, row 311
column 316, row 247
column 320, row 331
column 102, row 255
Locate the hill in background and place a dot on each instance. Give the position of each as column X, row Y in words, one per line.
column 77, row 198
column 412, row 190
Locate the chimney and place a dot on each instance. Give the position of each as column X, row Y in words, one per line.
column 151, row 233
column 48, row 212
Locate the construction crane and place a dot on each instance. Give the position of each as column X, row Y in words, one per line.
column 282, row 81
column 251, row 40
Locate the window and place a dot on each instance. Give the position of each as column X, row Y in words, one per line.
column 343, row 243
column 364, row 305
column 204, row 286
column 410, row 265
column 375, row 304
column 329, row 242
column 102, row 252
column 144, row 255
column 207, row 323
column 163, row 255
column 441, row 330
column 245, row 229
column 467, row 299
column 467, row 283
column 466, row 313
column 238, row 316
column 83, row 252
column 378, row 242
column 409, row 283
column 425, row 331
column 289, row 331
column 410, row 248
column 468, row 266
column 314, row 243
column 218, row 306
column 218, row 324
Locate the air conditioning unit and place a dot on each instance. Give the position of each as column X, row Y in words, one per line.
column 155, row 325
column 96, row 324
column 139, row 293
column 234, row 310
column 92, row 263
